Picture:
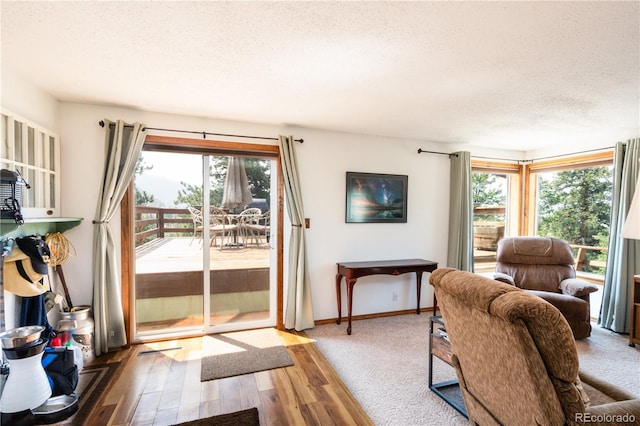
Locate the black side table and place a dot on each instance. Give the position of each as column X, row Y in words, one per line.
column 440, row 347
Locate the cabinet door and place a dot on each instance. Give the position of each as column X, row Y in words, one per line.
column 34, row 152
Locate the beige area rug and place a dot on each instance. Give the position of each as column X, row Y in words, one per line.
column 242, row 352
column 385, row 363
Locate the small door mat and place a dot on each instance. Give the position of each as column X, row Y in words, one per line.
column 243, row 352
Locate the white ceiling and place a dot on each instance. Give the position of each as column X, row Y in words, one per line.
column 507, row 75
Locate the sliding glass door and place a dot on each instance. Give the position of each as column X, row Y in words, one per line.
column 204, row 253
column 242, row 257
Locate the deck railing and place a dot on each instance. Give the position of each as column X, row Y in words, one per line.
column 580, row 254
column 152, row 223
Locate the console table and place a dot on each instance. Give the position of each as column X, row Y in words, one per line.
column 351, row 271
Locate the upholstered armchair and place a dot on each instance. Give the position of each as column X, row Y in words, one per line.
column 516, row 358
column 545, row 267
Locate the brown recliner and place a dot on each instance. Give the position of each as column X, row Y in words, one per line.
column 516, row 358
column 545, row 267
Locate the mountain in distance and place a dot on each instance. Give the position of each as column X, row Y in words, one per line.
column 164, row 190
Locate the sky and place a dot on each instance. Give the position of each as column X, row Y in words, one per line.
column 174, row 166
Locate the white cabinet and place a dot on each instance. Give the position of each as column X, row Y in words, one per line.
column 34, row 152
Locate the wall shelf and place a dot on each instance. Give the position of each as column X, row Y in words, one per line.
column 37, row 226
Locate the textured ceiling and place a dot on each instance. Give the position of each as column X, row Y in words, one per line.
column 510, row 75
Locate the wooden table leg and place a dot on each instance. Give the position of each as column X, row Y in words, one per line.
column 350, row 283
column 339, row 297
column 419, row 288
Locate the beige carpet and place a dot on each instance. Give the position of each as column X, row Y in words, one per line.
column 384, row 363
column 242, row 352
column 607, row 355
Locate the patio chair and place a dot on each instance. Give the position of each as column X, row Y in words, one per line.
column 220, row 225
column 196, row 217
column 258, row 227
column 245, row 220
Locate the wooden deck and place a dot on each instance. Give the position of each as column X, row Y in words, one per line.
column 169, row 277
column 186, row 253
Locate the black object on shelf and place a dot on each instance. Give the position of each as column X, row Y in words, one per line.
column 11, row 184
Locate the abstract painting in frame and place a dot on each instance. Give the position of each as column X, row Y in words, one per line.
column 376, row 198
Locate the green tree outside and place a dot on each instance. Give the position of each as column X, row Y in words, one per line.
column 575, row 205
column 489, row 190
column 143, row 198
column 258, row 174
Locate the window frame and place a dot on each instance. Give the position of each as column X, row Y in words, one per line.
column 603, row 158
column 200, row 146
column 522, row 207
column 514, row 208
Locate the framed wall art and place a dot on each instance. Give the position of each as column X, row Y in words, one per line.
column 376, row 198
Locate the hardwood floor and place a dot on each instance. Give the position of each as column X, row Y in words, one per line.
column 164, row 388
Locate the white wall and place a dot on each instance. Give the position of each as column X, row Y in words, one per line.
column 324, row 158
column 24, row 99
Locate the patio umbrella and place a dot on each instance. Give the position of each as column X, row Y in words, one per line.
column 236, row 185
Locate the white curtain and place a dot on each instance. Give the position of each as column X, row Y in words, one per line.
column 460, row 251
column 623, row 260
column 298, row 311
column 123, row 143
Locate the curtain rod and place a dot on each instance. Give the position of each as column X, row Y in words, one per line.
column 453, row 154
column 573, row 153
column 204, row 134
column 420, row 150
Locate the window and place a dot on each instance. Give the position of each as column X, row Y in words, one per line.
column 570, row 199
column 567, row 198
column 496, row 208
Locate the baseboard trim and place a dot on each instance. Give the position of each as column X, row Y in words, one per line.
column 374, row 315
